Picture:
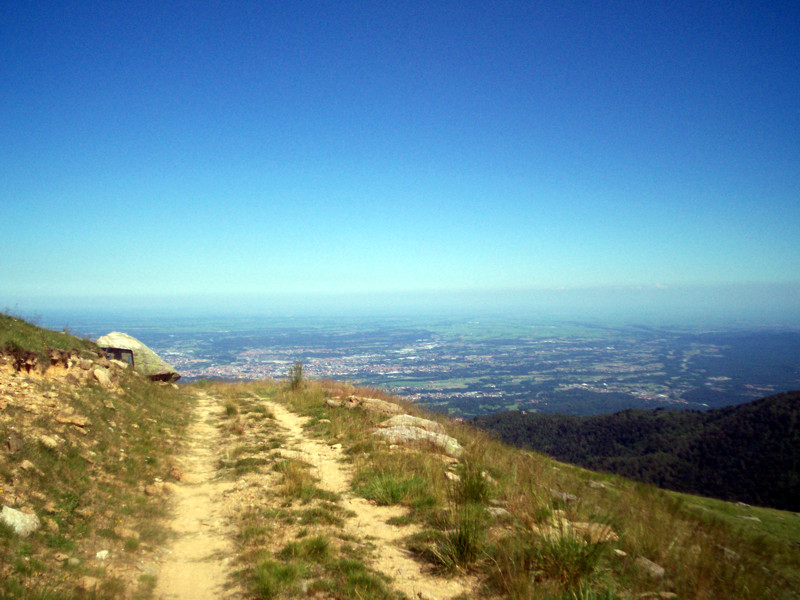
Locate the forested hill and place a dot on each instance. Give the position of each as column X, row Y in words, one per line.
column 748, row 453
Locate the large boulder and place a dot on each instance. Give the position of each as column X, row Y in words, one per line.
column 145, row 361
column 403, row 434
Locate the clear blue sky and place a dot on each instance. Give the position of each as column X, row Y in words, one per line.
column 184, row 148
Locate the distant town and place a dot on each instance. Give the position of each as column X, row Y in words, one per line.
column 469, row 368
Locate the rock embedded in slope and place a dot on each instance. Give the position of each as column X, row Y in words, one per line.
column 563, row 496
column 21, row 523
column 498, row 512
column 652, row 569
column 595, row 533
column 411, row 421
column 102, row 377
column 372, row 404
column 403, row 434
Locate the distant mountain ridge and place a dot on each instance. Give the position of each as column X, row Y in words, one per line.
column 748, row 453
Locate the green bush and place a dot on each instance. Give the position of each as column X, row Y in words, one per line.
column 296, row 375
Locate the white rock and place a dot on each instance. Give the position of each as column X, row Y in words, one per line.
column 21, row 523
column 411, row 421
column 404, row 434
column 102, row 555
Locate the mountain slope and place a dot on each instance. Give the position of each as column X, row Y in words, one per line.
column 313, row 501
column 748, row 453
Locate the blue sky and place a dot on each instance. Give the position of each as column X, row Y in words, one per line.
column 322, row 148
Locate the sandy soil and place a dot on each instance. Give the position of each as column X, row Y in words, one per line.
column 195, row 566
column 370, row 521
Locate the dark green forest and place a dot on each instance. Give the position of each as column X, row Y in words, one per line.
column 748, row 453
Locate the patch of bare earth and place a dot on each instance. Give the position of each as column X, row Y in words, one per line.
column 196, row 565
column 390, row 558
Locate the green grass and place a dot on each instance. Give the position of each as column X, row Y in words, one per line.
column 19, row 336
column 314, row 549
column 91, row 482
column 298, row 482
column 510, row 556
column 273, row 578
column 458, row 542
column 386, row 488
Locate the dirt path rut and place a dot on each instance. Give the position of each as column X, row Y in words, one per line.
column 195, row 566
column 370, row 521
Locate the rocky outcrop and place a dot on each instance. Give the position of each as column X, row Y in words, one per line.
column 404, row 434
column 411, row 421
column 145, row 361
column 402, row 428
column 371, row 404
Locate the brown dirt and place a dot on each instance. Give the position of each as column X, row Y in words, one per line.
column 195, row 567
column 370, row 522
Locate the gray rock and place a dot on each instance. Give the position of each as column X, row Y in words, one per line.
column 648, row 566
column 381, row 406
column 403, row 434
column 410, row 421
column 563, row 496
column 498, row 512
column 21, row 523
column 729, row 554
column 372, row 404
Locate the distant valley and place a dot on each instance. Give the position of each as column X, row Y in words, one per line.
column 475, row 366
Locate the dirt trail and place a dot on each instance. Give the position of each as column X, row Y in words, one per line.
column 195, row 566
column 370, row 521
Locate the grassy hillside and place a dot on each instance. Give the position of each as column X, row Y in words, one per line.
column 748, row 453
column 95, row 464
column 83, row 458
column 708, row 549
column 29, row 342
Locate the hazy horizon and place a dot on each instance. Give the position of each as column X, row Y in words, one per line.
column 697, row 306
